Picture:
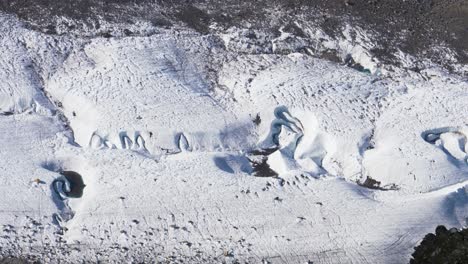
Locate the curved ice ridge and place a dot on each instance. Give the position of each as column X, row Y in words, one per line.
column 452, row 140
column 297, row 147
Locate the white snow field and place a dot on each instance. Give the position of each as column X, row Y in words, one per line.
column 165, row 132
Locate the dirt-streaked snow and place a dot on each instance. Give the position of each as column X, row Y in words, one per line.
column 161, row 130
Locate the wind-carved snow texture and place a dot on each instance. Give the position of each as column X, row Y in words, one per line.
column 170, row 130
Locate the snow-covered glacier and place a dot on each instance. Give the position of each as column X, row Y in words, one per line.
column 176, row 147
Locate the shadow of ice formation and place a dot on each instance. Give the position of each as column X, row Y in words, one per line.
column 233, row 164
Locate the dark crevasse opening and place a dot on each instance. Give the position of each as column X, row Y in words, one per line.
column 76, row 184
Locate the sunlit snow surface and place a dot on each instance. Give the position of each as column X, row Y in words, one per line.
column 163, row 146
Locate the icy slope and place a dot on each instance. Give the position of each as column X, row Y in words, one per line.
column 141, row 87
column 20, row 87
column 167, row 134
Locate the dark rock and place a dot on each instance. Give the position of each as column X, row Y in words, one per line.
column 446, row 246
